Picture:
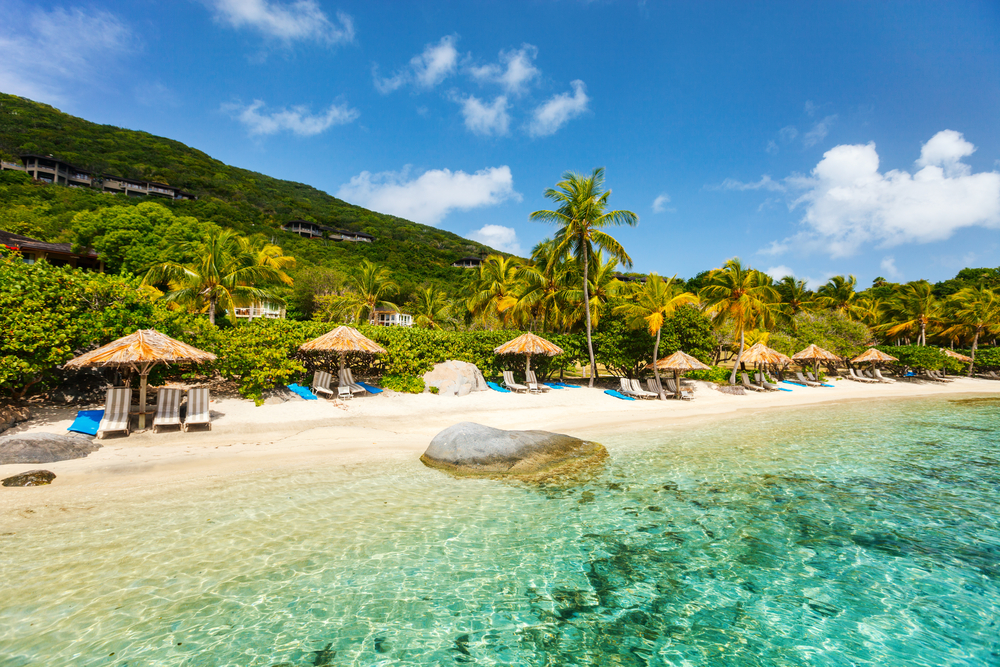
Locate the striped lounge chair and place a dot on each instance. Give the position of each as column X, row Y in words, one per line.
column 116, row 411
column 197, row 410
column 530, row 378
column 508, row 381
column 321, row 383
column 168, row 409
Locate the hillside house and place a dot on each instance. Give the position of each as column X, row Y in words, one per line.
column 314, row 230
column 468, row 263
column 386, row 317
column 265, row 309
column 56, row 254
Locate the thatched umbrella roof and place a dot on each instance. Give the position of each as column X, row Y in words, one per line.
column 956, row 355
column 873, row 355
column 529, row 343
column 762, row 354
column 342, row 339
column 146, row 346
column 679, row 361
column 815, row 353
column 140, row 351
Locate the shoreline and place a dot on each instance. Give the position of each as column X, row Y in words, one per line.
column 283, row 438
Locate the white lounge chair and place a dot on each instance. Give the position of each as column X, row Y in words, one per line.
column 686, row 393
column 747, row 384
column 116, row 411
column 637, row 390
column 321, row 383
column 508, row 381
column 168, row 408
column 197, row 409
column 810, row 383
column 531, row 379
column 860, row 378
column 347, row 381
column 762, row 381
column 882, row 378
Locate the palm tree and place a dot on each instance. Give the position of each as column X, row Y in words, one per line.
column 493, row 289
column 795, row 297
column 581, row 216
column 913, row 308
column 838, row 294
column 603, row 284
column 370, row 289
column 656, row 300
column 430, row 307
column 229, row 271
column 742, row 296
column 974, row 310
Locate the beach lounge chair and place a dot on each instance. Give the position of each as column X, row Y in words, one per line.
column 882, row 378
column 626, row 387
column 686, row 392
column 321, row 383
column 530, row 378
column 762, row 381
column 928, row 375
column 747, row 384
column 655, row 388
column 168, row 409
column 197, row 409
column 508, row 381
column 808, row 383
column 116, row 411
column 942, row 375
column 860, row 378
column 347, row 384
column 637, row 390
column 988, row 375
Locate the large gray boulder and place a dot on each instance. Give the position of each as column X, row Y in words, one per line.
column 44, row 447
column 455, row 378
column 473, row 449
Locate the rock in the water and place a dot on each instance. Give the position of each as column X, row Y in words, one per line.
column 30, row 478
column 455, row 378
column 44, row 447
column 474, row 449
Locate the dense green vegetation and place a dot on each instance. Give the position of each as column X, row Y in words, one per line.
column 228, row 197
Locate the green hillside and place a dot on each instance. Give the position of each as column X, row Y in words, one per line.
column 230, row 197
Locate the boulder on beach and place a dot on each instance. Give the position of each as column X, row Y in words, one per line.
column 11, row 416
column 44, row 447
column 455, row 378
column 30, row 478
column 471, row 449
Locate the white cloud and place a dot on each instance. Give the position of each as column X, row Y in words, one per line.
column 435, row 64
column 559, row 110
column 818, row 132
column 46, row 52
column 297, row 119
column 787, row 133
column 765, row 183
column 497, row 237
column 772, row 147
column 779, row 272
column 660, row 203
column 889, row 267
column 849, row 203
column 288, row 21
column 486, row 119
column 811, row 108
column 431, row 196
column 514, row 72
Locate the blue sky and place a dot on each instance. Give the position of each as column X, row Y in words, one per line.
column 806, row 138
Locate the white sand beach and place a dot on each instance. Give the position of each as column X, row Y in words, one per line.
column 246, row 439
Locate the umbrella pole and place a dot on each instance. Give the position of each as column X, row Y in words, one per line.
column 527, row 364
column 677, row 384
column 143, row 379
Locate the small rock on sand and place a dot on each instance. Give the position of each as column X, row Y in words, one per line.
column 30, row 478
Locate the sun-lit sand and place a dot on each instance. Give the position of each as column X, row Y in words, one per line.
column 246, row 439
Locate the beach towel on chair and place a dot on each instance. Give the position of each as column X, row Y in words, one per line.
column 495, row 387
column 86, row 422
column 612, row 392
column 371, row 389
column 303, row 392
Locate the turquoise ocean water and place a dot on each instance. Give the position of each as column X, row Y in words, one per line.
column 860, row 534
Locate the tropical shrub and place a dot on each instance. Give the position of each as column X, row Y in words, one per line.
column 986, row 357
column 831, row 330
column 716, row 374
column 625, row 351
column 409, row 384
column 921, row 357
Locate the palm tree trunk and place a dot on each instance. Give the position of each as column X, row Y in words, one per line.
column 736, row 364
column 975, row 342
column 656, row 371
column 586, row 306
column 923, row 334
column 211, row 310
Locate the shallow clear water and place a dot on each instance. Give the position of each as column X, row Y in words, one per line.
column 864, row 534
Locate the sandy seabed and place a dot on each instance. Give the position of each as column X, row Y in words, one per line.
column 250, row 440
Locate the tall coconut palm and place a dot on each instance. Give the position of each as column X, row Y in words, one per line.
column 229, row 271
column 494, row 289
column 741, row 296
column 603, row 284
column 913, row 308
column 974, row 310
column 582, row 216
column 430, row 307
column 655, row 301
column 371, row 288
column 795, row 297
column 838, row 294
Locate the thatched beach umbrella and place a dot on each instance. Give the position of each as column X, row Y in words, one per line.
column 815, row 354
column 141, row 351
column 762, row 354
column 679, row 362
column 529, row 344
column 956, row 355
column 874, row 356
column 342, row 340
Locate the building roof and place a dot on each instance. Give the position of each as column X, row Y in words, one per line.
column 327, row 228
column 25, row 243
column 81, row 170
column 469, row 259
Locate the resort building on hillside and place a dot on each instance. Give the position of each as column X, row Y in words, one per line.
column 468, row 263
column 386, row 317
column 266, row 309
column 56, row 254
column 314, row 230
column 48, row 169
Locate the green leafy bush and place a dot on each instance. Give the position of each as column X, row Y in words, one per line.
column 920, row 357
column 830, row 330
column 716, row 374
column 409, row 384
column 987, row 358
